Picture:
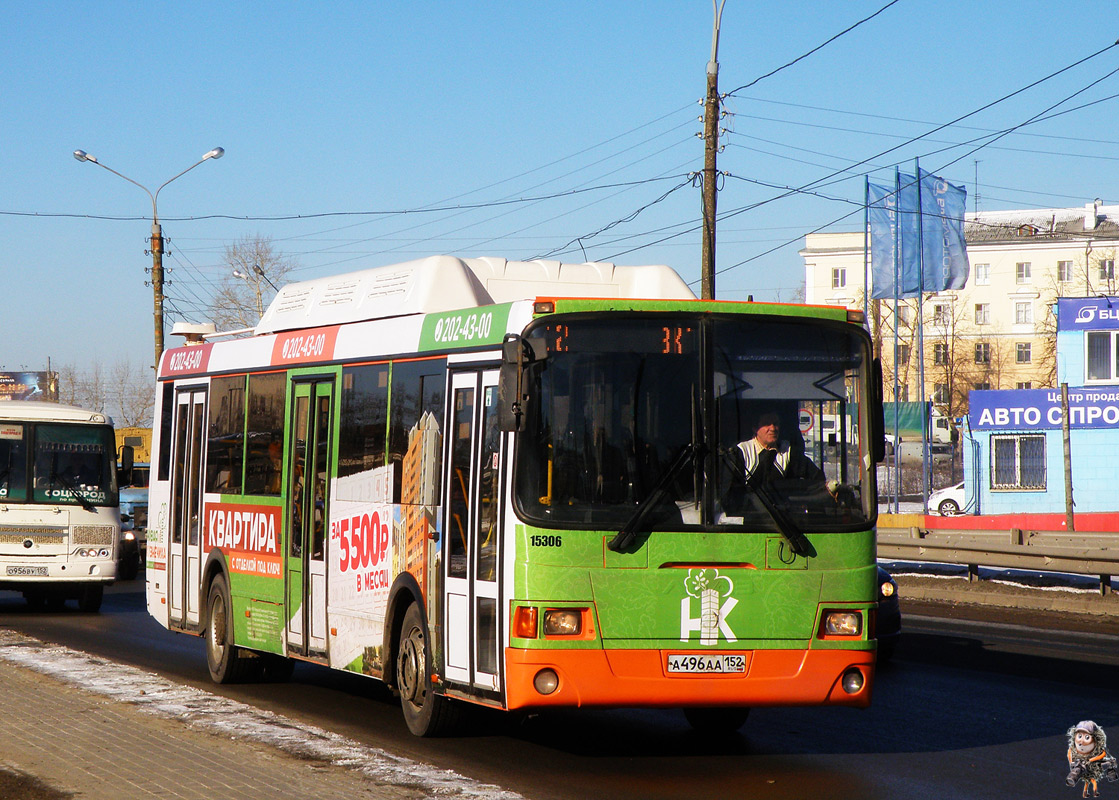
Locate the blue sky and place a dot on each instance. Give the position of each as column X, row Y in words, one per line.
column 375, row 114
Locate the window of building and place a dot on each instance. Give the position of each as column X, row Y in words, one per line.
column 1018, row 462
column 983, row 385
column 940, row 353
column 1107, row 269
column 983, row 353
column 905, row 314
column 1022, row 353
column 940, row 314
column 1024, row 385
column 940, row 393
column 1022, row 272
column 903, row 354
column 1064, row 271
column 1023, row 313
column 982, row 313
column 982, row 274
column 1102, row 358
column 838, row 277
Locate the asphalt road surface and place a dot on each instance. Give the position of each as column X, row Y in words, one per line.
column 966, row 709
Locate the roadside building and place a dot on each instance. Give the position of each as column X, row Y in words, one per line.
column 998, row 331
column 1014, row 460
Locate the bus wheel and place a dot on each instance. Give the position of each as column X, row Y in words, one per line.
column 425, row 712
column 90, row 598
column 716, row 720
column 225, row 660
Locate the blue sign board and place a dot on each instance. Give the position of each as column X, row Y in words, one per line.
column 1040, row 409
column 1087, row 313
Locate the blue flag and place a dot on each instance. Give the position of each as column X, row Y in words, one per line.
column 942, row 211
column 893, row 260
column 901, row 227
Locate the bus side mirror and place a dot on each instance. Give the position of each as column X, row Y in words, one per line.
column 127, row 461
column 517, row 353
column 877, row 415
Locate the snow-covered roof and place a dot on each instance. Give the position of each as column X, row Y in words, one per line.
column 444, row 283
column 1090, row 221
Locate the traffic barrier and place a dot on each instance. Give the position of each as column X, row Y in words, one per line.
column 1081, row 553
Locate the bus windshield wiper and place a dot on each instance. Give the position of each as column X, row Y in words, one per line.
column 70, row 487
column 624, row 538
column 797, row 540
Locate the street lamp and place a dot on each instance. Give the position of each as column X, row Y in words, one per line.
column 255, row 283
column 157, row 236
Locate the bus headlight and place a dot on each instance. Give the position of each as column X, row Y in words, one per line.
column 843, row 623
column 563, row 622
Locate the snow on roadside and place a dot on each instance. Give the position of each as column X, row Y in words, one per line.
column 219, row 715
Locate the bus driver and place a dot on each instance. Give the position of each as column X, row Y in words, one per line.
column 771, row 457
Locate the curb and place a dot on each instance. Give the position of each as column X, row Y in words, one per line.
column 988, row 593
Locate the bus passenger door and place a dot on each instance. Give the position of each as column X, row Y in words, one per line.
column 472, row 532
column 186, row 518
column 307, row 514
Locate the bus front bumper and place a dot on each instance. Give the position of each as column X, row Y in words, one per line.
column 640, row 678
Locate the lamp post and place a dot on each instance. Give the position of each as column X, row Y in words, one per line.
column 157, row 236
column 254, row 281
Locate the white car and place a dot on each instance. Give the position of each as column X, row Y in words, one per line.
column 948, row 501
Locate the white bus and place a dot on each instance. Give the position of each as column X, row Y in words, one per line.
column 59, row 518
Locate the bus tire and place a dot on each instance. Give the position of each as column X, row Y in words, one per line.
column 225, row 660
column 425, row 712
column 713, row 721
column 89, row 600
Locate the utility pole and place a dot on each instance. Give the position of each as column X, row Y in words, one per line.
column 710, row 150
column 157, row 282
column 157, row 236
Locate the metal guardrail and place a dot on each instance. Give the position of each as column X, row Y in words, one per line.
column 1086, row 553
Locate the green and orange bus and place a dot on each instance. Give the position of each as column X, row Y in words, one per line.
column 516, row 484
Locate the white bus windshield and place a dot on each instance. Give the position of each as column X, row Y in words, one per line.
column 665, row 410
column 58, row 463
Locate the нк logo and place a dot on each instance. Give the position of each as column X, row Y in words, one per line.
column 709, row 587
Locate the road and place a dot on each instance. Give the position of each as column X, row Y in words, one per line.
column 966, row 709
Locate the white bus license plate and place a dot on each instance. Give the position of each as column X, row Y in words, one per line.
column 717, row 664
column 37, row 571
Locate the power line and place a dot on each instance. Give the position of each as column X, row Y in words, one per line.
column 813, row 50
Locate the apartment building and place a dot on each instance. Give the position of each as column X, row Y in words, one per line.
column 999, row 331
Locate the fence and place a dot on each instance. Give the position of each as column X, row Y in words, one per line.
column 1087, row 553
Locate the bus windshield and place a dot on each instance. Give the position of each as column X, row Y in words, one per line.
column 70, row 464
column 722, row 423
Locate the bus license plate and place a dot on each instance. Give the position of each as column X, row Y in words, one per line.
column 722, row 663
column 36, row 571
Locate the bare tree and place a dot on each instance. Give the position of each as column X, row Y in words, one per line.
column 125, row 391
column 255, row 271
column 131, row 390
column 84, row 388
